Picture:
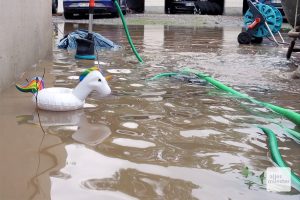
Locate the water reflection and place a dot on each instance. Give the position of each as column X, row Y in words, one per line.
column 71, row 122
column 143, row 185
column 60, row 129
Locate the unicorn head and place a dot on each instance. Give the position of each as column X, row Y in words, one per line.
column 34, row 85
column 92, row 80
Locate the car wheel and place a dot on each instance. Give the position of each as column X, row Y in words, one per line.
column 202, row 9
column 172, row 11
column 195, row 11
column 209, row 8
column 124, row 12
column 68, row 15
column 114, row 14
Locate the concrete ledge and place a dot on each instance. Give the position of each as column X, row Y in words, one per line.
column 155, row 9
column 233, row 11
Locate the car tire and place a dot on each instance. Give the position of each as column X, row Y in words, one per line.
column 201, row 8
column 114, row 15
column 172, row 11
column 124, row 12
column 68, row 15
column 208, row 8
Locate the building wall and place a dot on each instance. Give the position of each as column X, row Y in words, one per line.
column 154, row 6
column 25, row 36
column 60, row 8
column 233, row 7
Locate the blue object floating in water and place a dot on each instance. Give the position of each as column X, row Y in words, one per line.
column 85, row 57
column 69, row 41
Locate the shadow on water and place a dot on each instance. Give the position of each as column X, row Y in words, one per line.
column 165, row 139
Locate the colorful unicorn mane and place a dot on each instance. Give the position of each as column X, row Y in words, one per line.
column 34, row 85
column 86, row 72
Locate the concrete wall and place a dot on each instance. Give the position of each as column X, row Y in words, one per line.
column 60, row 8
column 154, row 6
column 25, row 36
column 233, row 7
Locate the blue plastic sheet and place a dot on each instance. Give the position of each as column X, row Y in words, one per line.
column 69, row 41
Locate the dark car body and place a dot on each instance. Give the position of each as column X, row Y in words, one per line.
column 205, row 7
column 101, row 6
column 54, row 6
column 182, row 6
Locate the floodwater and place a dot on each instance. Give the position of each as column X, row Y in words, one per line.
column 163, row 139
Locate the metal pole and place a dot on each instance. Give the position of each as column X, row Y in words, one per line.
column 271, row 33
column 91, row 13
column 281, row 37
column 90, row 23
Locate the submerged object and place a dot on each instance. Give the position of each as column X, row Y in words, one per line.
column 85, row 46
column 69, row 41
column 66, row 99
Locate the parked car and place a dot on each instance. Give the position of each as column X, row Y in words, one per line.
column 54, row 6
column 72, row 7
column 203, row 7
column 181, row 6
column 210, row 7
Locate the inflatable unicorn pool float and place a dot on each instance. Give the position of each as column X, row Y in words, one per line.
column 66, row 99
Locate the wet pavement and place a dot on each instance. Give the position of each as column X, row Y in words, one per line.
column 163, row 139
column 160, row 19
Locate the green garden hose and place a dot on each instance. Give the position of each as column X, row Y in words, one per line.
column 127, row 32
column 293, row 134
column 166, row 74
column 276, row 156
column 290, row 133
column 289, row 114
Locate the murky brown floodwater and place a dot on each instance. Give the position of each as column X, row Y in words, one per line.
column 166, row 139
